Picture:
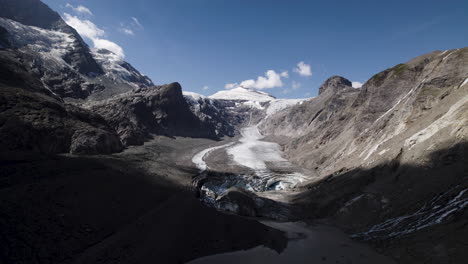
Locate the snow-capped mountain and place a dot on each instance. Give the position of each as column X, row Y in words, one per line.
column 229, row 110
column 119, row 70
column 66, row 65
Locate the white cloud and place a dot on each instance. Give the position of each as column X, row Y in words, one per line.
column 307, row 94
column 270, row 80
column 86, row 28
column 205, row 88
column 303, row 69
column 129, row 28
column 357, row 84
column 89, row 30
column 127, row 31
column 109, row 45
column 137, row 23
column 231, row 85
column 80, row 9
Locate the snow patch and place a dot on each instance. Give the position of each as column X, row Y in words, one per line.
column 117, row 69
column 445, row 51
column 280, row 104
column 383, row 152
column 449, row 54
column 254, row 104
column 446, row 120
column 400, row 100
column 432, row 213
column 49, row 44
column 464, row 82
column 193, row 96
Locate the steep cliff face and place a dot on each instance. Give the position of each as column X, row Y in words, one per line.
column 162, row 110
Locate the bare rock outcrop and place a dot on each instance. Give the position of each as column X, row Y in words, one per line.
column 161, row 110
column 335, row 83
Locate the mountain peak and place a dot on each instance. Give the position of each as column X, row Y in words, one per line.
column 335, row 83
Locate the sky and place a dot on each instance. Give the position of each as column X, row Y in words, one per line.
column 285, row 48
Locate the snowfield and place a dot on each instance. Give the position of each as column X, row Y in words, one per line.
column 242, row 94
column 51, row 45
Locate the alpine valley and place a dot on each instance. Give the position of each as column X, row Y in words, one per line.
column 100, row 165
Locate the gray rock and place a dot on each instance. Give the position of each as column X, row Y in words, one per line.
column 335, row 83
column 159, row 110
column 31, row 121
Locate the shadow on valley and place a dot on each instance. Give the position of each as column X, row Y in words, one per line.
column 413, row 213
column 107, row 209
column 72, row 209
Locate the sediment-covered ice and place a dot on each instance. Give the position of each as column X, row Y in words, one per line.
column 258, row 155
column 199, row 158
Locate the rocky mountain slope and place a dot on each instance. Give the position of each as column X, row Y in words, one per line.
column 414, row 107
column 32, row 118
column 391, row 157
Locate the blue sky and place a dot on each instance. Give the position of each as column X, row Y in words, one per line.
column 207, row 44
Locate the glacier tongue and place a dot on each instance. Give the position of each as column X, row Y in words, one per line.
column 263, row 158
column 253, row 153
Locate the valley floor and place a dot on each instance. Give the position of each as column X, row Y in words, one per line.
column 132, row 207
column 138, row 206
